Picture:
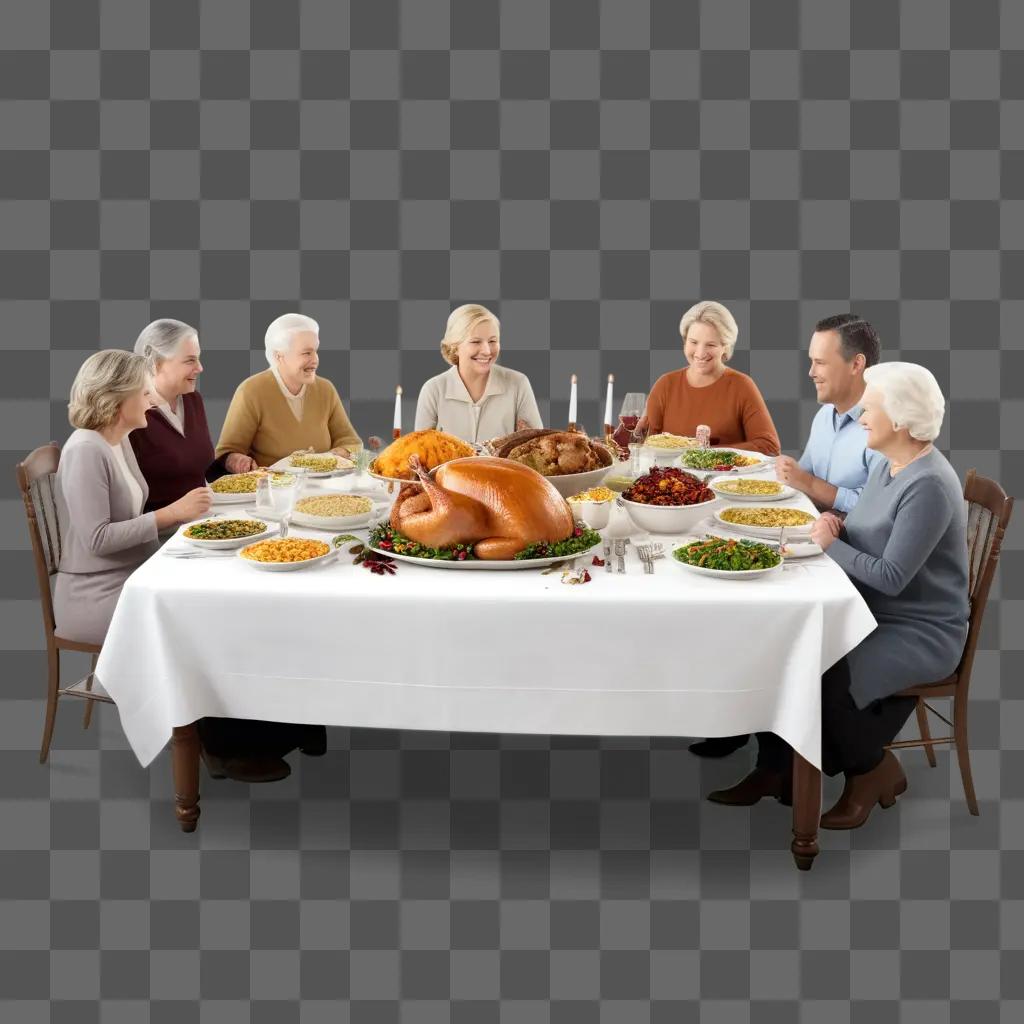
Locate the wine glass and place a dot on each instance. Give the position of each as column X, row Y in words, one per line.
column 630, row 417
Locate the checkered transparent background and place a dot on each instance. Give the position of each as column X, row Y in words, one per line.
column 587, row 169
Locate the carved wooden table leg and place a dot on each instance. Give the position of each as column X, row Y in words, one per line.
column 806, row 812
column 185, row 765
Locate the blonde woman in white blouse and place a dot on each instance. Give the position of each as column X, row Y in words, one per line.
column 476, row 399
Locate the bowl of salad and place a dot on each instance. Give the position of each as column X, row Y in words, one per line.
column 728, row 558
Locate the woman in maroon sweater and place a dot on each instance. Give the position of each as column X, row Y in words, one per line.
column 175, row 454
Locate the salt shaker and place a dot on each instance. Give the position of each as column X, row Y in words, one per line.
column 703, row 435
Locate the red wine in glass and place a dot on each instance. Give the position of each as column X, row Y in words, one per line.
column 624, row 431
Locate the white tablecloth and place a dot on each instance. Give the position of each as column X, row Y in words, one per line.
column 670, row 654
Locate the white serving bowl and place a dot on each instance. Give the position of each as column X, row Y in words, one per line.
column 573, row 483
column 668, row 518
column 594, row 513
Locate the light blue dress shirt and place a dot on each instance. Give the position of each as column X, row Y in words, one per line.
column 836, row 453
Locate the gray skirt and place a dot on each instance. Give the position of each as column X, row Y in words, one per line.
column 83, row 603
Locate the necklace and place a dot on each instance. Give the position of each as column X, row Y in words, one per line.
column 897, row 467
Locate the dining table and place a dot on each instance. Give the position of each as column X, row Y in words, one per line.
column 655, row 653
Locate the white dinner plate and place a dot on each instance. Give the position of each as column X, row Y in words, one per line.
column 345, row 467
column 390, row 480
column 763, row 532
column 482, row 563
column 246, row 497
column 333, row 523
column 234, row 499
column 724, row 574
column 234, row 542
column 664, row 455
column 762, row 463
column 288, row 566
column 802, row 549
column 786, row 492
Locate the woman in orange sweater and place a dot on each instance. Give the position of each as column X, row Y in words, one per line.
column 707, row 391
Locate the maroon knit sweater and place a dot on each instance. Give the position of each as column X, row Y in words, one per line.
column 173, row 465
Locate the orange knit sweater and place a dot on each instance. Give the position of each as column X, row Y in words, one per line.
column 732, row 407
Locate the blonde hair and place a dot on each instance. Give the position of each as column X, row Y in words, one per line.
column 911, row 398
column 460, row 324
column 102, row 383
column 717, row 316
column 279, row 334
column 161, row 339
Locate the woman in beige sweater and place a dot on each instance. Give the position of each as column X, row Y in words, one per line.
column 287, row 407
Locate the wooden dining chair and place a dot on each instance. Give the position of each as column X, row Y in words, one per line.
column 38, row 491
column 988, row 514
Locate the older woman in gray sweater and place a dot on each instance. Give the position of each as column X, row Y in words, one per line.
column 101, row 494
column 905, row 548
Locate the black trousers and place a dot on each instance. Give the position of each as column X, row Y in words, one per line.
column 241, row 737
column 852, row 739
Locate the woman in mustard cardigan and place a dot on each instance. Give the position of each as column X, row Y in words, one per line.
column 287, row 408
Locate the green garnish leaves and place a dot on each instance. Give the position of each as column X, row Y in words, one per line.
column 582, row 539
column 386, row 538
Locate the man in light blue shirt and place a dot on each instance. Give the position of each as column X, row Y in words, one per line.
column 834, row 466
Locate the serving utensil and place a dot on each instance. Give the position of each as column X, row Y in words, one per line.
column 198, row 554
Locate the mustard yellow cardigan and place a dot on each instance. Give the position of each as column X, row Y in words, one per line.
column 261, row 424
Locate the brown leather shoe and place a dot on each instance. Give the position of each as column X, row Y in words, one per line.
column 756, row 786
column 881, row 786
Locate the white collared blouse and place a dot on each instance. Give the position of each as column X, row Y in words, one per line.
column 445, row 404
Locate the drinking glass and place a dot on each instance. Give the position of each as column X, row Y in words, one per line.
column 362, row 457
column 264, row 496
column 629, row 415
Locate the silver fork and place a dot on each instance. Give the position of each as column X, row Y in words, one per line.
column 644, row 554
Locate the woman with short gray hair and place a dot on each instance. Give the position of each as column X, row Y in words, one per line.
column 175, row 452
column 287, row 407
column 904, row 546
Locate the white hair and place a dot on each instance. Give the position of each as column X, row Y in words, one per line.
column 161, row 339
column 911, row 397
column 279, row 333
column 714, row 314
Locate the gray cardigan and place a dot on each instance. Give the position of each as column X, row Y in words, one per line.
column 904, row 545
column 100, row 530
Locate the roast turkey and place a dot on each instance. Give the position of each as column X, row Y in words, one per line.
column 498, row 506
column 553, row 452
